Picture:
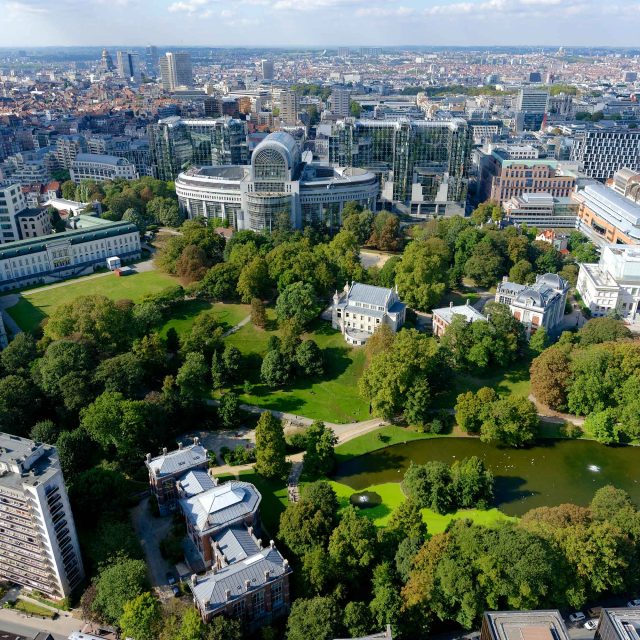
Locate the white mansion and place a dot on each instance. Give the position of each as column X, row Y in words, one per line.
column 361, row 308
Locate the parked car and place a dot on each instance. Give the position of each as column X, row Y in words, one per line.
column 594, row 612
column 590, row 624
column 633, row 603
column 176, row 591
column 578, row 616
column 171, row 579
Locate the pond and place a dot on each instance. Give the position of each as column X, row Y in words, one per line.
column 548, row 474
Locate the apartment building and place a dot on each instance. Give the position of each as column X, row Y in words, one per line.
column 444, row 316
column 523, row 625
column 100, row 168
column 502, row 178
column 618, row 624
column 67, row 148
column 12, row 202
column 601, row 149
column 38, row 543
column 34, row 223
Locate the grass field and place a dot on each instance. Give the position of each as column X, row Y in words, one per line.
column 33, row 308
column 184, row 315
column 33, row 609
column 334, row 397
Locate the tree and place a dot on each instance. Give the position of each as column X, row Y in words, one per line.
column 45, row 431
column 310, row 521
column 192, row 378
column 429, row 485
column 117, row 583
column 522, row 272
column 319, row 457
column 220, row 282
column 550, row 374
column 387, row 275
column 228, row 409
column 270, row 448
column 19, row 354
column 512, row 421
column 418, row 403
column 386, row 234
column 539, row 340
column 274, row 371
column 193, row 264
column 297, row 302
column 165, row 211
column 258, row 313
column 471, row 483
column 471, row 408
column 598, row 330
column 386, row 605
column 221, row 628
column 608, row 501
column 405, row 555
column 204, row 337
column 231, row 360
column 139, row 218
column 489, row 210
column 603, row 426
column 141, row 618
column 147, row 316
column 357, row 619
column 18, row 405
column 484, row 268
column 309, row 358
column 69, row 190
column 123, row 373
column 317, row 618
column 76, row 451
column 406, row 521
column 254, row 280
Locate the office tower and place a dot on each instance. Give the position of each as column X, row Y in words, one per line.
column 68, row 147
column 288, row 107
column 128, row 66
column 212, row 107
column 603, row 148
column 38, row 539
column 12, row 202
column 267, row 69
column 106, row 62
column 340, row 101
column 175, row 70
column 535, row 76
column 343, row 52
column 531, row 107
column 174, row 144
column 151, row 59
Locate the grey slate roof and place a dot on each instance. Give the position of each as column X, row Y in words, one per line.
column 369, row 294
column 101, row 158
column 236, row 543
column 210, row 588
column 179, row 460
column 195, row 482
column 221, row 506
column 466, row 310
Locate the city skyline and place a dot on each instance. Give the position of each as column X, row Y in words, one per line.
column 321, row 22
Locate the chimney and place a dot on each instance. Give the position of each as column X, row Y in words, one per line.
column 259, row 541
column 196, row 441
column 285, row 564
column 451, row 304
column 505, row 278
column 227, row 594
column 194, row 579
column 250, row 530
column 215, row 481
column 179, row 445
column 467, row 302
column 164, row 451
column 266, row 575
column 148, row 457
column 272, row 544
column 247, row 584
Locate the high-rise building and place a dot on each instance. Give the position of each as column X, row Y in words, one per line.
column 175, row 70
column 38, row 541
column 267, row 69
column 12, row 202
column 106, row 62
column 151, row 59
column 531, row 107
column 128, row 65
column 603, row 148
column 340, row 101
column 288, row 107
column 176, row 143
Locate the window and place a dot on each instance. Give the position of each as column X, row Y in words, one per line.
column 257, row 603
column 238, row 608
column 276, row 595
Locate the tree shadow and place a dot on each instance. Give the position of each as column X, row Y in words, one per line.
column 508, row 489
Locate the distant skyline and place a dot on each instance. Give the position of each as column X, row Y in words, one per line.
column 32, row 23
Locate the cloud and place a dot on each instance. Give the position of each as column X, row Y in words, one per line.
column 25, row 7
column 385, row 12
column 190, row 7
column 522, row 8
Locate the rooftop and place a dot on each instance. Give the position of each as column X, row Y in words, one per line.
column 101, row 159
column 526, row 625
column 626, row 622
column 369, row 294
column 182, row 460
column 466, row 310
column 24, row 461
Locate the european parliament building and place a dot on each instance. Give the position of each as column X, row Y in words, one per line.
column 278, row 180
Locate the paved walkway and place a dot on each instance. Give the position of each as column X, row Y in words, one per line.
column 236, row 327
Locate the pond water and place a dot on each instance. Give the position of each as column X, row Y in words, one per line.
column 548, row 474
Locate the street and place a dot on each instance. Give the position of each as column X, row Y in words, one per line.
column 18, row 623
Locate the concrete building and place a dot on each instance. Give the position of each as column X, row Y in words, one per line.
column 603, row 148
column 277, row 181
column 12, row 202
column 443, row 317
column 266, row 67
column 626, row 182
column 128, row 66
column 68, row 147
column 612, row 284
column 618, row 624
column 38, row 541
column 33, row 223
column 361, row 308
column 165, row 471
column 93, row 166
column 530, row 109
column 523, row 625
column 502, row 178
column 538, row 305
column 541, row 210
column 340, row 100
column 63, row 255
column 175, row 70
column 289, row 105
column 606, row 217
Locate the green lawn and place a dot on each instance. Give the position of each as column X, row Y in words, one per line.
column 392, row 497
column 32, row 308
column 459, row 298
column 184, row 315
column 334, row 397
column 33, row 609
column 378, row 439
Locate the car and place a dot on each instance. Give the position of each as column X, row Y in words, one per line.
column 176, row 591
column 633, row 603
column 590, row 625
column 578, row 616
column 171, row 579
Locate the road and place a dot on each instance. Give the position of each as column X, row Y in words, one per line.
column 18, row 623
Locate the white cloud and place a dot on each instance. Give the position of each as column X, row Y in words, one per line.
column 190, row 7
column 522, row 8
column 25, row 7
column 385, row 12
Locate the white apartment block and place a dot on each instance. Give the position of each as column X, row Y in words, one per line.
column 63, row 255
column 38, row 543
column 93, row 166
column 340, row 101
column 613, row 284
column 34, row 223
column 12, row 202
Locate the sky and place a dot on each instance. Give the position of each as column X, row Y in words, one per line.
column 254, row 23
